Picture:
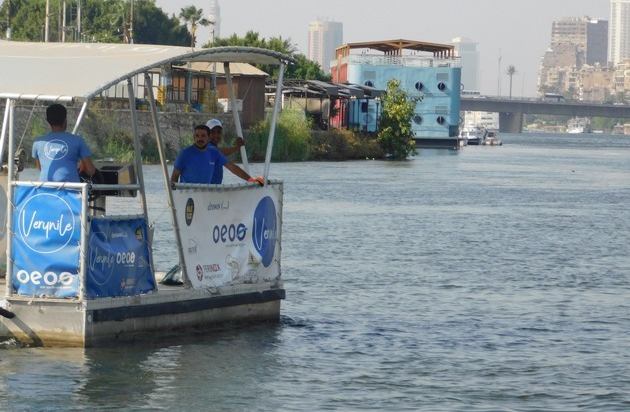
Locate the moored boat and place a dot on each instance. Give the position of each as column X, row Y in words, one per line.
column 579, row 125
column 492, row 138
column 473, row 134
column 80, row 273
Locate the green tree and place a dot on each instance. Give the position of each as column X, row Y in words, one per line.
column 193, row 17
column 304, row 69
column 101, row 20
column 511, row 71
column 395, row 134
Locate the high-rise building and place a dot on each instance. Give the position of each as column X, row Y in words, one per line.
column 577, row 45
column 466, row 50
column 323, row 38
column 619, row 31
column 214, row 16
column 588, row 36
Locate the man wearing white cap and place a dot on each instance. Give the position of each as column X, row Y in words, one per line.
column 216, row 132
column 198, row 163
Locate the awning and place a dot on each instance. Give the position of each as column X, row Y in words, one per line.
column 80, row 71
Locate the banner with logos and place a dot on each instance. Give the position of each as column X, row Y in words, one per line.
column 230, row 236
column 45, row 244
column 118, row 258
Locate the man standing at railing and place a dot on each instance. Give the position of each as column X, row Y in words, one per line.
column 59, row 153
column 197, row 163
column 216, row 133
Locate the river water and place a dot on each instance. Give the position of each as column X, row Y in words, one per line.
column 485, row 279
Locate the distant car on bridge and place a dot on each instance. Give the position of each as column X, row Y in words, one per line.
column 553, row 97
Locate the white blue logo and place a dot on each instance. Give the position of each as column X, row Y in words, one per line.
column 56, row 149
column 46, row 223
column 265, row 229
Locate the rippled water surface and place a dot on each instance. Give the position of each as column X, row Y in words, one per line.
column 486, row 279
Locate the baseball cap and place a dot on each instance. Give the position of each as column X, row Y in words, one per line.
column 212, row 123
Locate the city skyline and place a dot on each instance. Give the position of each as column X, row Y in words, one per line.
column 506, row 32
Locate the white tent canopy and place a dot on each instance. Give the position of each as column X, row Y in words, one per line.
column 80, row 71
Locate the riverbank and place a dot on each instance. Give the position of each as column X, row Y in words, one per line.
column 107, row 131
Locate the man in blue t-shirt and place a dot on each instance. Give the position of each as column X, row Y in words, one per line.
column 197, row 163
column 216, row 132
column 59, row 153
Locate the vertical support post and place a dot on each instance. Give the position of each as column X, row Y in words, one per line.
column 169, row 194
column 10, row 190
column 5, row 125
column 83, row 248
column 136, row 146
column 80, row 117
column 274, row 119
column 237, row 120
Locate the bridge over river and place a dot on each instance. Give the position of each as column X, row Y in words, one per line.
column 511, row 111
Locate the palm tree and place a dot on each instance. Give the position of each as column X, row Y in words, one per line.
column 511, row 71
column 193, row 16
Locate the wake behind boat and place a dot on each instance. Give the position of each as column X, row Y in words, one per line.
column 80, row 273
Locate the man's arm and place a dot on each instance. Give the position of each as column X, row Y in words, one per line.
column 175, row 175
column 88, row 166
column 230, row 150
column 237, row 171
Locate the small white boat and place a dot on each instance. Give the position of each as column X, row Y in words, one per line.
column 474, row 135
column 81, row 275
column 492, row 139
column 579, row 125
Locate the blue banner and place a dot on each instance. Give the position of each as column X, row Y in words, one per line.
column 45, row 245
column 118, row 258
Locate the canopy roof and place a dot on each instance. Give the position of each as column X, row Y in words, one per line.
column 396, row 47
column 80, row 71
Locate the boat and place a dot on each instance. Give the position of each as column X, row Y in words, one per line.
column 579, row 125
column 492, row 139
column 80, row 273
column 473, row 134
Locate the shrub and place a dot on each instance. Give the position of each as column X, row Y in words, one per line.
column 395, row 135
column 291, row 139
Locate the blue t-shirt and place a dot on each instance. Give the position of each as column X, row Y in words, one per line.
column 199, row 166
column 59, row 154
column 217, row 175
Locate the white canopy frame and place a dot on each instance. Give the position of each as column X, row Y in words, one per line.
column 78, row 72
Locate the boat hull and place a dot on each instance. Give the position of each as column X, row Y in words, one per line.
column 100, row 322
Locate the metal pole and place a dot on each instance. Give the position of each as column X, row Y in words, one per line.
column 84, row 243
column 10, row 201
column 136, row 145
column 80, row 117
column 5, row 125
column 169, row 194
column 47, row 21
column 274, row 119
column 237, row 120
column 78, row 19
column 63, row 23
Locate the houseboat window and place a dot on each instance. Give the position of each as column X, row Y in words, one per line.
column 417, row 119
column 441, row 86
column 369, row 83
column 441, row 119
column 419, row 86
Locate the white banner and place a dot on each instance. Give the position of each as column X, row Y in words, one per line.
column 230, row 236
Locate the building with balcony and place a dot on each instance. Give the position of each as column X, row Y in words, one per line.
column 427, row 70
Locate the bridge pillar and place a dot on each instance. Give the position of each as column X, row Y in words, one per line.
column 510, row 122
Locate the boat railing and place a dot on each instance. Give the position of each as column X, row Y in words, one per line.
column 58, row 248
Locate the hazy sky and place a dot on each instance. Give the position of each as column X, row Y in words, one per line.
column 517, row 31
